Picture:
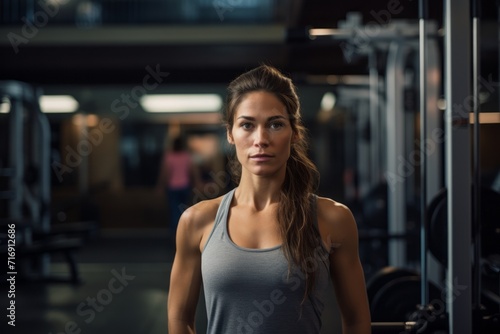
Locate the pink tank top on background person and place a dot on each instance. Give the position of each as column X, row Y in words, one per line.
column 178, row 165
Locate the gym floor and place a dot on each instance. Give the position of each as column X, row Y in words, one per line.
column 124, row 289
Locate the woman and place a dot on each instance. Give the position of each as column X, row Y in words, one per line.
column 265, row 251
column 176, row 173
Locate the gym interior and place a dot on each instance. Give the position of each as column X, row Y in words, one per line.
column 400, row 99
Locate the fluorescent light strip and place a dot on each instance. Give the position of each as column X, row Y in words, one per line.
column 321, row 32
column 486, row 118
column 58, row 104
column 4, row 106
column 179, row 103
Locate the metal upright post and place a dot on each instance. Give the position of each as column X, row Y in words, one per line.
column 424, row 293
column 16, row 158
column 42, row 157
column 433, row 147
column 476, row 73
column 397, row 172
column 364, row 162
column 374, row 120
column 458, row 164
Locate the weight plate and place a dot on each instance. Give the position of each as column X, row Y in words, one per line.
column 384, row 276
column 399, row 298
column 490, row 225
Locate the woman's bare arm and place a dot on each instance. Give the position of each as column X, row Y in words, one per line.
column 339, row 230
column 185, row 278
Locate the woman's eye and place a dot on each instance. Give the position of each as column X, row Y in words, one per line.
column 246, row 126
column 277, row 125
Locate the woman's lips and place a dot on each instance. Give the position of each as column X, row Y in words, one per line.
column 261, row 157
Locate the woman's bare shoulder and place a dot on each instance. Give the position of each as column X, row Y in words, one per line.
column 335, row 220
column 201, row 214
column 333, row 211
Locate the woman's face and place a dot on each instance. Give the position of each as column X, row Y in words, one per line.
column 262, row 134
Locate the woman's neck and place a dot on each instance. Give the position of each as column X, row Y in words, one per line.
column 258, row 192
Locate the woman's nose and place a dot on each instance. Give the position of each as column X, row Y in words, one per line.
column 261, row 137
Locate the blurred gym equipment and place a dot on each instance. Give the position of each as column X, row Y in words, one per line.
column 25, row 164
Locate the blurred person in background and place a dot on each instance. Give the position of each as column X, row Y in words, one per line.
column 176, row 179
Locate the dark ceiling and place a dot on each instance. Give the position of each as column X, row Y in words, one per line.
column 218, row 62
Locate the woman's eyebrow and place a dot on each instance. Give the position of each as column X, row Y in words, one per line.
column 272, row 118
column 248, row 118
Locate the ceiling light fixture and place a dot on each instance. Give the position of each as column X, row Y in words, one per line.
column 486, row 118
column 181, row 103
column 58, row 104
column 4, row 106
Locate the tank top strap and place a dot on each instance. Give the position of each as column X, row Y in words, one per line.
column 223, row 209
column 220, row 217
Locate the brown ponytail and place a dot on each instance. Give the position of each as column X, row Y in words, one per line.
column 297, row 230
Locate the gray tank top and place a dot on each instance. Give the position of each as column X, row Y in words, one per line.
column 250, row 290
